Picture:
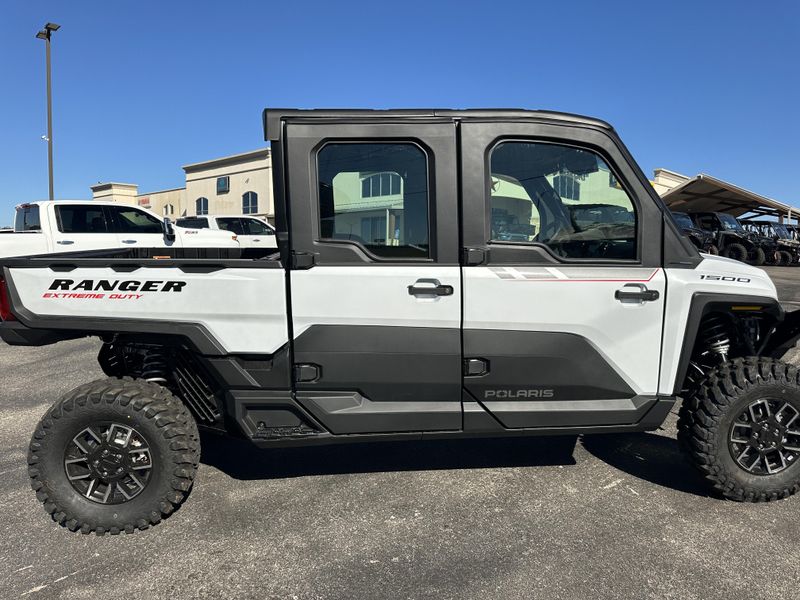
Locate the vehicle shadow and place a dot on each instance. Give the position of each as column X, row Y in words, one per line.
column 650, row 457
column 241, row 460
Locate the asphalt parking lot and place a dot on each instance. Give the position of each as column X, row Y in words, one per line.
column 600, row 517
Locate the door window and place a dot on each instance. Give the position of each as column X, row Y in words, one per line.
column 132, row 220
column 81, row 219
column 562, row 197
column 256, row 227
column 192, row 223
column 234, row 225
column 375, row 195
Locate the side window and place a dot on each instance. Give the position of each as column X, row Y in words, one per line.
column 234, row 225
column 192, row 223
column 565, row 198
column 27, row 218
column 256, row 227
column 81, row 219
column 132, row 220
column 375, row 195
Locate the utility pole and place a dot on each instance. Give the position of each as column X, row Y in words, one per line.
column 44, row 34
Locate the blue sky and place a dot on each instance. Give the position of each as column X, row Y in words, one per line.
column 141, row 88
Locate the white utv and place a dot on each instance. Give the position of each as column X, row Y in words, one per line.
column 434, row 280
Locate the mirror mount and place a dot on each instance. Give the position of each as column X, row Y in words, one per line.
column 169, row 230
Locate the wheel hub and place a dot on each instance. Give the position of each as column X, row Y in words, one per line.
column 765, row 437
column 109, row 464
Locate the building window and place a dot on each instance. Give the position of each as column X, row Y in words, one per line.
column 169, row 210
column 249, row 203
column 567, row 186
column 380, row 184
column 201, row 206
column 223, row 185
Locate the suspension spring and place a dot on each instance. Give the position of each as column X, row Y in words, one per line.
column 154, row 365
column 716, row 337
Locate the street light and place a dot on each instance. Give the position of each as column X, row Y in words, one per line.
column 44, row 34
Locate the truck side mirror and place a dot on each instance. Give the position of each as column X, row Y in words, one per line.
column 169, row 230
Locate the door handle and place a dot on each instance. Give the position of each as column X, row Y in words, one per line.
column 636, row 292
column 128, row 241
column 429, row 287
column 65, row 242
column 256, row 240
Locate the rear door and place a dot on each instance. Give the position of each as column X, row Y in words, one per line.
column 375, row 285
column 82, row 227
column 563, row 286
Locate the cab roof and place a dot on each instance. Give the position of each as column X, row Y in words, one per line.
column 273, row 116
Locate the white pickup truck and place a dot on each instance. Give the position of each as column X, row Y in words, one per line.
column 75, row 225
column 252, row 231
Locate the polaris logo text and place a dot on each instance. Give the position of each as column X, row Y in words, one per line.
column 725, row 278
column 104, row 285
column 513, row 394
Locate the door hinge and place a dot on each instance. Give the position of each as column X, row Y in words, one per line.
column 302, row 260
column 472, row 257
column 307, row 373
column 475, row 367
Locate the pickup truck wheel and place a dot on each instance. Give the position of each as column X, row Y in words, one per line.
column 736, row 252
column 114, row 455
column 742, row 429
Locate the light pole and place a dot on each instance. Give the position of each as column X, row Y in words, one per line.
column 44, row 34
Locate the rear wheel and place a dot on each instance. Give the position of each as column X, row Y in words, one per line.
column 784, row 258
column 712, row 249
column 114, row 455
column 736, row 252
column 742, row 429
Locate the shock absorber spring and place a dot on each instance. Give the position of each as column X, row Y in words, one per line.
column 716, row 336
column 154, row 365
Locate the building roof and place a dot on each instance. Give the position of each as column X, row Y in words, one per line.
column 704, row 193
column 233, row 159
column 109, row 184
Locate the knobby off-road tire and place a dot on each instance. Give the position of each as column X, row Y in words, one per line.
column 136, row 423
column 736, row 252
column 758, row 257
column 784, row 258
column 712, row 249
column 718, row 413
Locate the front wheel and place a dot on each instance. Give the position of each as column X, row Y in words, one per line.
column 758, row 257
column 736, row 252
column 784, row 258
column 741, row 429
column 114, row 455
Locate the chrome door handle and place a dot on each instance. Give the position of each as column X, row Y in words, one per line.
column 636, row 292
column 128, row 241
column 65, row 242
column 429, row 287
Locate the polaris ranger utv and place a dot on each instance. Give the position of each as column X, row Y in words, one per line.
column 396, row 310
column 787, row 247
column 702, row 239
column 734, row 241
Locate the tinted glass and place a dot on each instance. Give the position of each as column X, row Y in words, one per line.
column 561, row 197
column 223, row 185
column 201, row 206
column 230, row 224
column 27, row 219
column 192, row 223
column 81, row 219
column 256, row 227
column 131, row 220
column 683, row 220
column 249, row 203
column 357, row 203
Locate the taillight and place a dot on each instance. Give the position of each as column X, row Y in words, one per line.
column 5, row 303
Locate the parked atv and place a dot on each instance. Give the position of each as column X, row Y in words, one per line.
column 733, row 240
column 702, row 239
column 787, row 248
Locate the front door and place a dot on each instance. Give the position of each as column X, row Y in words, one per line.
column 83, row 227
column 375, row 286
column 563, row 290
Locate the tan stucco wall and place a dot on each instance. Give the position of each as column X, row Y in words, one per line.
column 159, row 201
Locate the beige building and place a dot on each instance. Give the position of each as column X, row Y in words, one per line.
column 231, row 185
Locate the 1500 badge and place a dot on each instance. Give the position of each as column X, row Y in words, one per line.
column 725, row 278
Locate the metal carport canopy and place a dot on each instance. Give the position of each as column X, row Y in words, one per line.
column 703, row 193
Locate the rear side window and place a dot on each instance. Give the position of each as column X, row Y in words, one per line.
column 191, row 223
column 230, row 224
column 562, row 197
column 81, row 219
column 375, row 195
column 27, row 219
column 132, row 220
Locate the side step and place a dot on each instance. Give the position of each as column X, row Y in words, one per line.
column 271, row 415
